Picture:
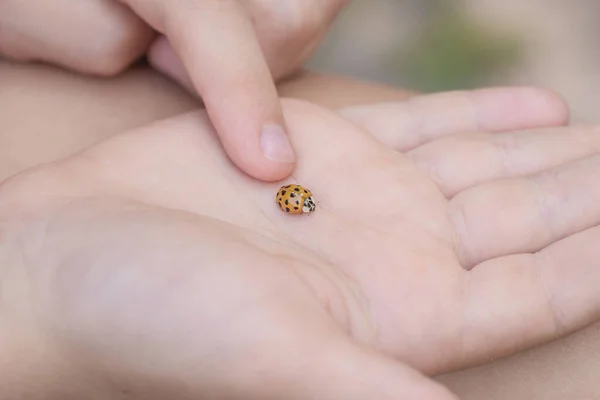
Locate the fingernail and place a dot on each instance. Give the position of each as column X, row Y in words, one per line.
column 276, row 145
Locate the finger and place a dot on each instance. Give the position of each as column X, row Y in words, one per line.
column 109, row 36
column 405, row 126
column 461, row 161
column 289, row 31
column 344, row 370
column 524, row 215
column 517, row 302
column 163, row 58
column 216, row 43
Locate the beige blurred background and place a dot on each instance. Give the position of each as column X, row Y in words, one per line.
column 434, row 45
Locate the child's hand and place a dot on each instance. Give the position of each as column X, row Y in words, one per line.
column 231, row 50
column 454, row 234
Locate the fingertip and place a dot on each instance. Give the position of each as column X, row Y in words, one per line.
column 559, row 112
column 250, row 123
column 274, row 173
column 266, row 154
column 275, row 145
column 235, row 84
column 264, row 169
column 545, row 106
column 502, row 109
column 254, row 133
column 268, row 172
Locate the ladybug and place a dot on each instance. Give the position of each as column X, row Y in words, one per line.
column 295, row 199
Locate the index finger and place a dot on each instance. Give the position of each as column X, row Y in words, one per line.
column 216, row 43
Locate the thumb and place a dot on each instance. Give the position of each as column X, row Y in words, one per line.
column 352, row 372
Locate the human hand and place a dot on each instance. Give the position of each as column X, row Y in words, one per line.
column 182, row 279
column 232, row 52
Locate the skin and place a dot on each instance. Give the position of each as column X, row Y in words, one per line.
column 342, row 314
column 201, row 43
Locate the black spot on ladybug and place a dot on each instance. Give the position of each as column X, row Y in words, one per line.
column 286, row 202
column 305, row 191
column 296, row 189
column 283, row 192
column 295, row 208
column 292, row 194
column 287, row 209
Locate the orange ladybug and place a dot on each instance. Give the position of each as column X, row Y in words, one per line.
column 295, row 199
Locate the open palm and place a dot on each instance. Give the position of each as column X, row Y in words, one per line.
column 435, row 245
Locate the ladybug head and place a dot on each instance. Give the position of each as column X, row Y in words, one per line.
column 309, row 205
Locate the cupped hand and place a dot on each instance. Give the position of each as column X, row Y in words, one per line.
column 444, row 236
column 229, row 52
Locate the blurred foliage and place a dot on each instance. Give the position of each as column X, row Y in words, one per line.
column 455, row 52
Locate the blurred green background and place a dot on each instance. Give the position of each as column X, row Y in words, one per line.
column 435, row 45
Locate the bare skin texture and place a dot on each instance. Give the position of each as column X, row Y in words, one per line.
column 228, row 52
column 148, row 260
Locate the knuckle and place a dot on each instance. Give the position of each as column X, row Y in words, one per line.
column 304, row 23
column 98, row 38
column 15, row 42
column 298, row 20
column 11, row 49
column 116, row 46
